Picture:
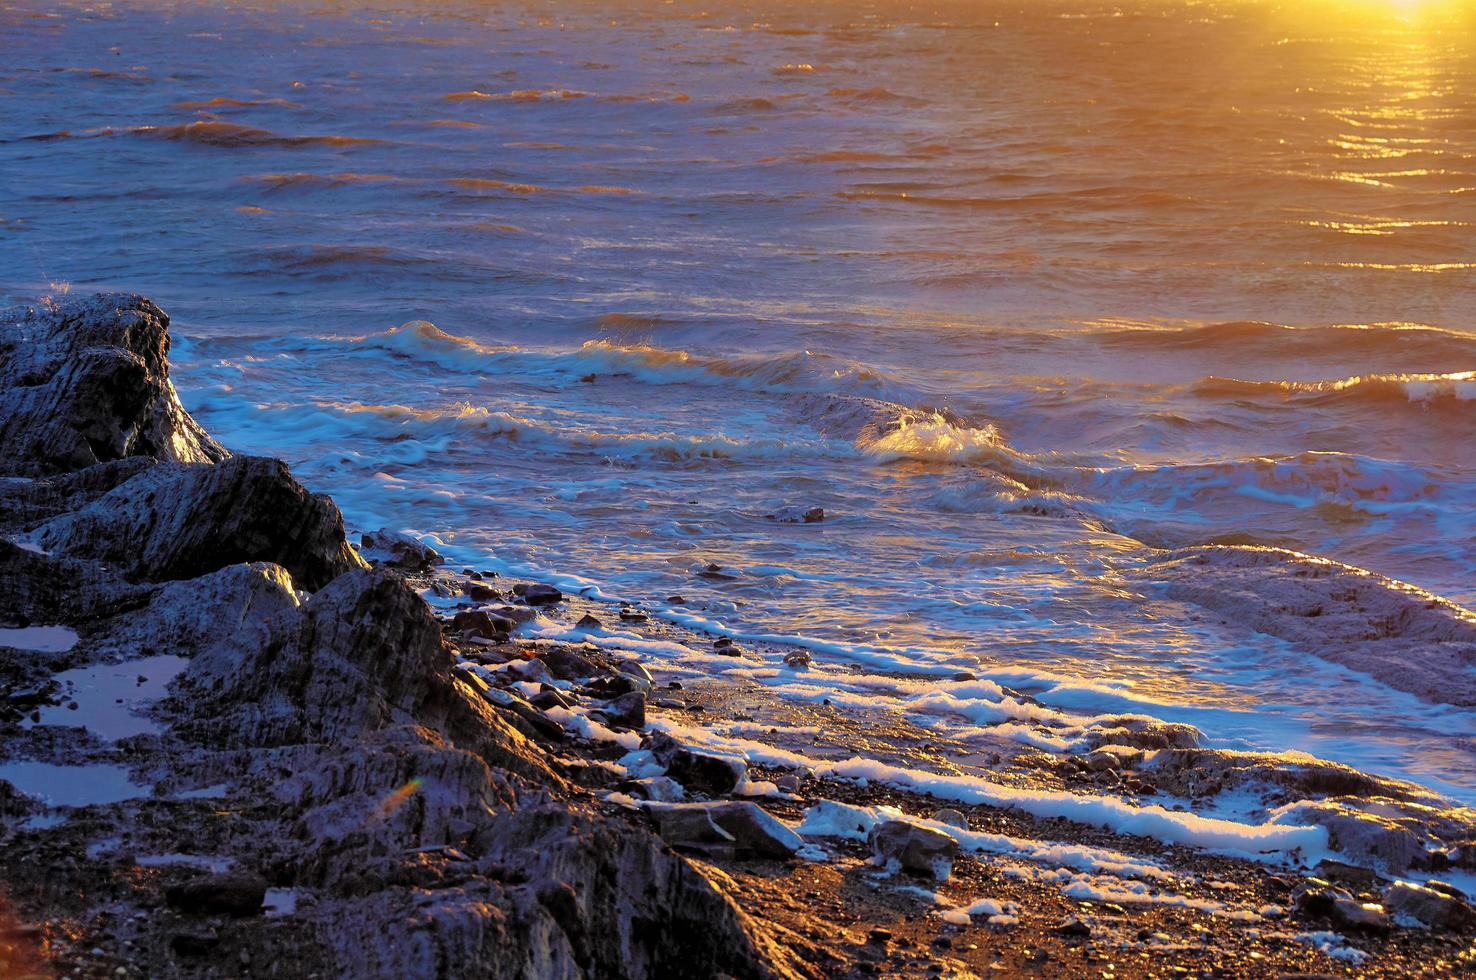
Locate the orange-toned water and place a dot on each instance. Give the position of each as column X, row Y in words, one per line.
column 1134, row 274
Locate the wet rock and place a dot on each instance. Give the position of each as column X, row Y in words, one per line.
column 788, row 782
column 179, row 520
column 798, row 515
column 951, row 817
column 632, row 616
column 626, row 711
column 538, row 594
column 481, row 593
column 518, row 614
column 399, row 550
column 230, row 893
column 1101, row 761
column 87, row 382
column 1411, row 640
column 698, row 771
column 482, row 623
column 549, row 698
column 588, row 622
column 915, row 849
column 1385, row 833
column 725, row 646
column 567, row 664
column 1144, row 733
column 798, row 659
column 738, row 828
column 1433, row 908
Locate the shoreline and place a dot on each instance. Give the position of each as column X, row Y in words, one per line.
column 503, row 804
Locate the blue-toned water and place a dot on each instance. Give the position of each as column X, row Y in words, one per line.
column 1014, row 291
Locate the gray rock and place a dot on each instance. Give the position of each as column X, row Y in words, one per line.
column 951, row 817
column 483, row 623
column 400, row 550
column 739, row 828
column 915, row 849
column 87, row 382
column 1429, row 906
column 180, row 520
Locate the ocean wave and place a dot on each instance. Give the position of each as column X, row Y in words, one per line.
column 300, row 181
column 224, row 134
column 453, row 424
column 1272, row 339
column 223, row 102
column 1427, row 390
column 1302, row 481
column 797, row 371
column 521, row 95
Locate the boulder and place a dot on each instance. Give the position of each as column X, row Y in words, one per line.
column 400, row 550
column 87, row 381
column 913, row 848
column 180, row 520
column 1433, row 908
column 737, row 828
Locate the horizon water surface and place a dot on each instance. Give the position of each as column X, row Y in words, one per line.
column 1018, row 293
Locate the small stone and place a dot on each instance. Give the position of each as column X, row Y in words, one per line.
column 588, row 622
column 1073, row 928
column 964, row 676
column 1101, row 761
column 879, row 935
column 676, row 600
column 482, row 593
column 539, row 595
column 951, row 817
column 915, row 849
column 632, row 616
column 741, row 828
column 788, row 783
column 798, row 659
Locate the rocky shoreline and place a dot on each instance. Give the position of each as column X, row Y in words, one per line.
column 234, row 744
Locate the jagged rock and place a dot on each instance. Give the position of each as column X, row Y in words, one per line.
column 568, row 664
column 699, row 772
column 179, row 520
column 588, row 622
column 229, row 893
column 737, row 828
column 400, row 550
column 1142, row 733
column 626, row 711
column 1385, row 832
column 1429, row 906
column 87, row 382
column 798, row 659
column 1197, row 772
column 915, row 849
